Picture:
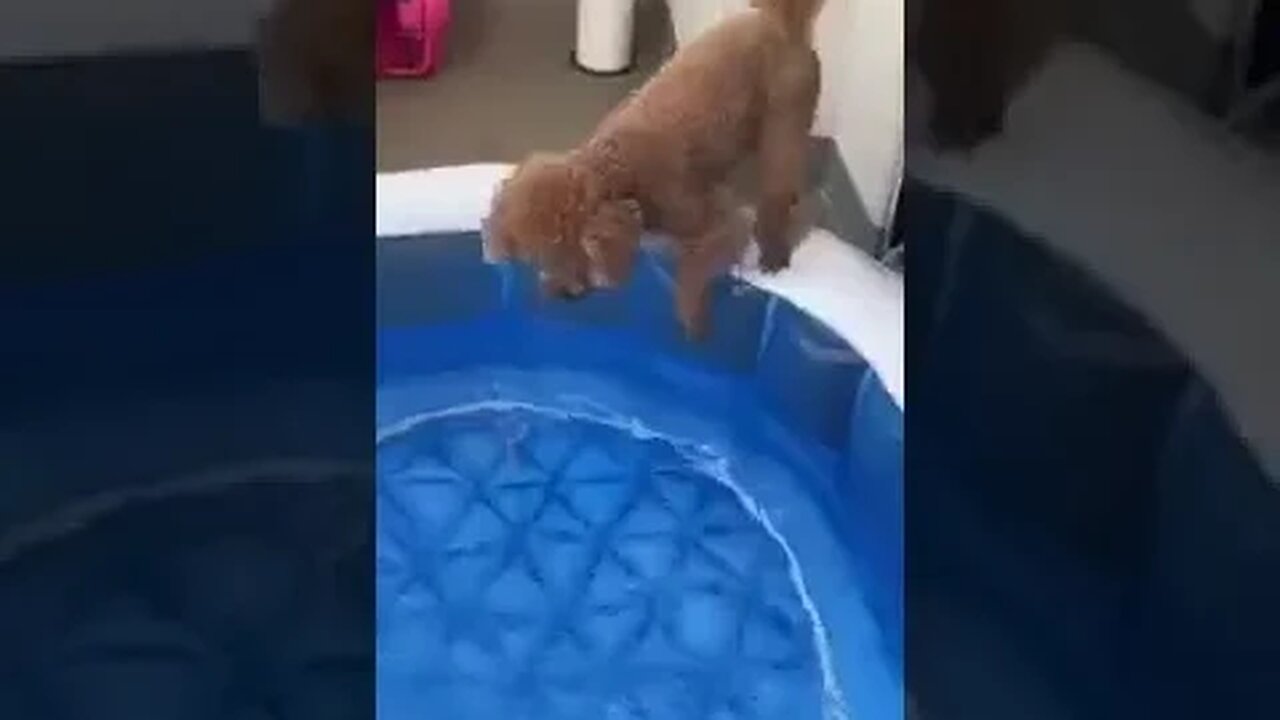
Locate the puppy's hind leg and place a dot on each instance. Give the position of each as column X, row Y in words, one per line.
column 784, row 159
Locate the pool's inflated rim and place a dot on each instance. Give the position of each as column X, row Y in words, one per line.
column 829, row 279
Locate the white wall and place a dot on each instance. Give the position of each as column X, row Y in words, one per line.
column 31, row 30
column 861, row 46
column 691, row 17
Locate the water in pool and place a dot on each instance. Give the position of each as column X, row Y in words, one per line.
column 567, row 539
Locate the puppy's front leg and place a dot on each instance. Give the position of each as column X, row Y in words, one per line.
column 784, row 162
column 692, row 283
column 784, row 159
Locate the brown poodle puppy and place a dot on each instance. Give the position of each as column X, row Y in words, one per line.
column 662, row 159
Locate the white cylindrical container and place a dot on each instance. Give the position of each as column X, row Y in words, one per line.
column 605, row 35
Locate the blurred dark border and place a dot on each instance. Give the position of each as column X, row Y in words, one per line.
column 1088, row 536
column 183, row 291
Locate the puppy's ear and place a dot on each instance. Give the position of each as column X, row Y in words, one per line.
column 609, row 239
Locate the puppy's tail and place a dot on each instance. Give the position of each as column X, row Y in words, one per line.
column 795, row 16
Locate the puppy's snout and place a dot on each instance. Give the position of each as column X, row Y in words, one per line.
column 571, row 292
column 561, row 289
column 600, row 279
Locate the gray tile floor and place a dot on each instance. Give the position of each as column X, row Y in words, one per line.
column 508, row 86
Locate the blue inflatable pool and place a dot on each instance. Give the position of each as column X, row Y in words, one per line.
column 580, row 515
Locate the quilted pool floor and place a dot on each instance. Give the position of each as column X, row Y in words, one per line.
column 539, row 566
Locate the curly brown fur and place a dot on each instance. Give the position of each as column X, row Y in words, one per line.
column 661, row 160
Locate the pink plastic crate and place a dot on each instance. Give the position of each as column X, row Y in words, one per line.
column 411, row 36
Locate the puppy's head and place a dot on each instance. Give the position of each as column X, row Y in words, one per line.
column 551, row 213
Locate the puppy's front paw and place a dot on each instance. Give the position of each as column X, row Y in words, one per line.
column 693, row 321
column 696, row 332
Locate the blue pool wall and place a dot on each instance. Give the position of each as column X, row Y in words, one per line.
column 1072, row 469
column 810, row 378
